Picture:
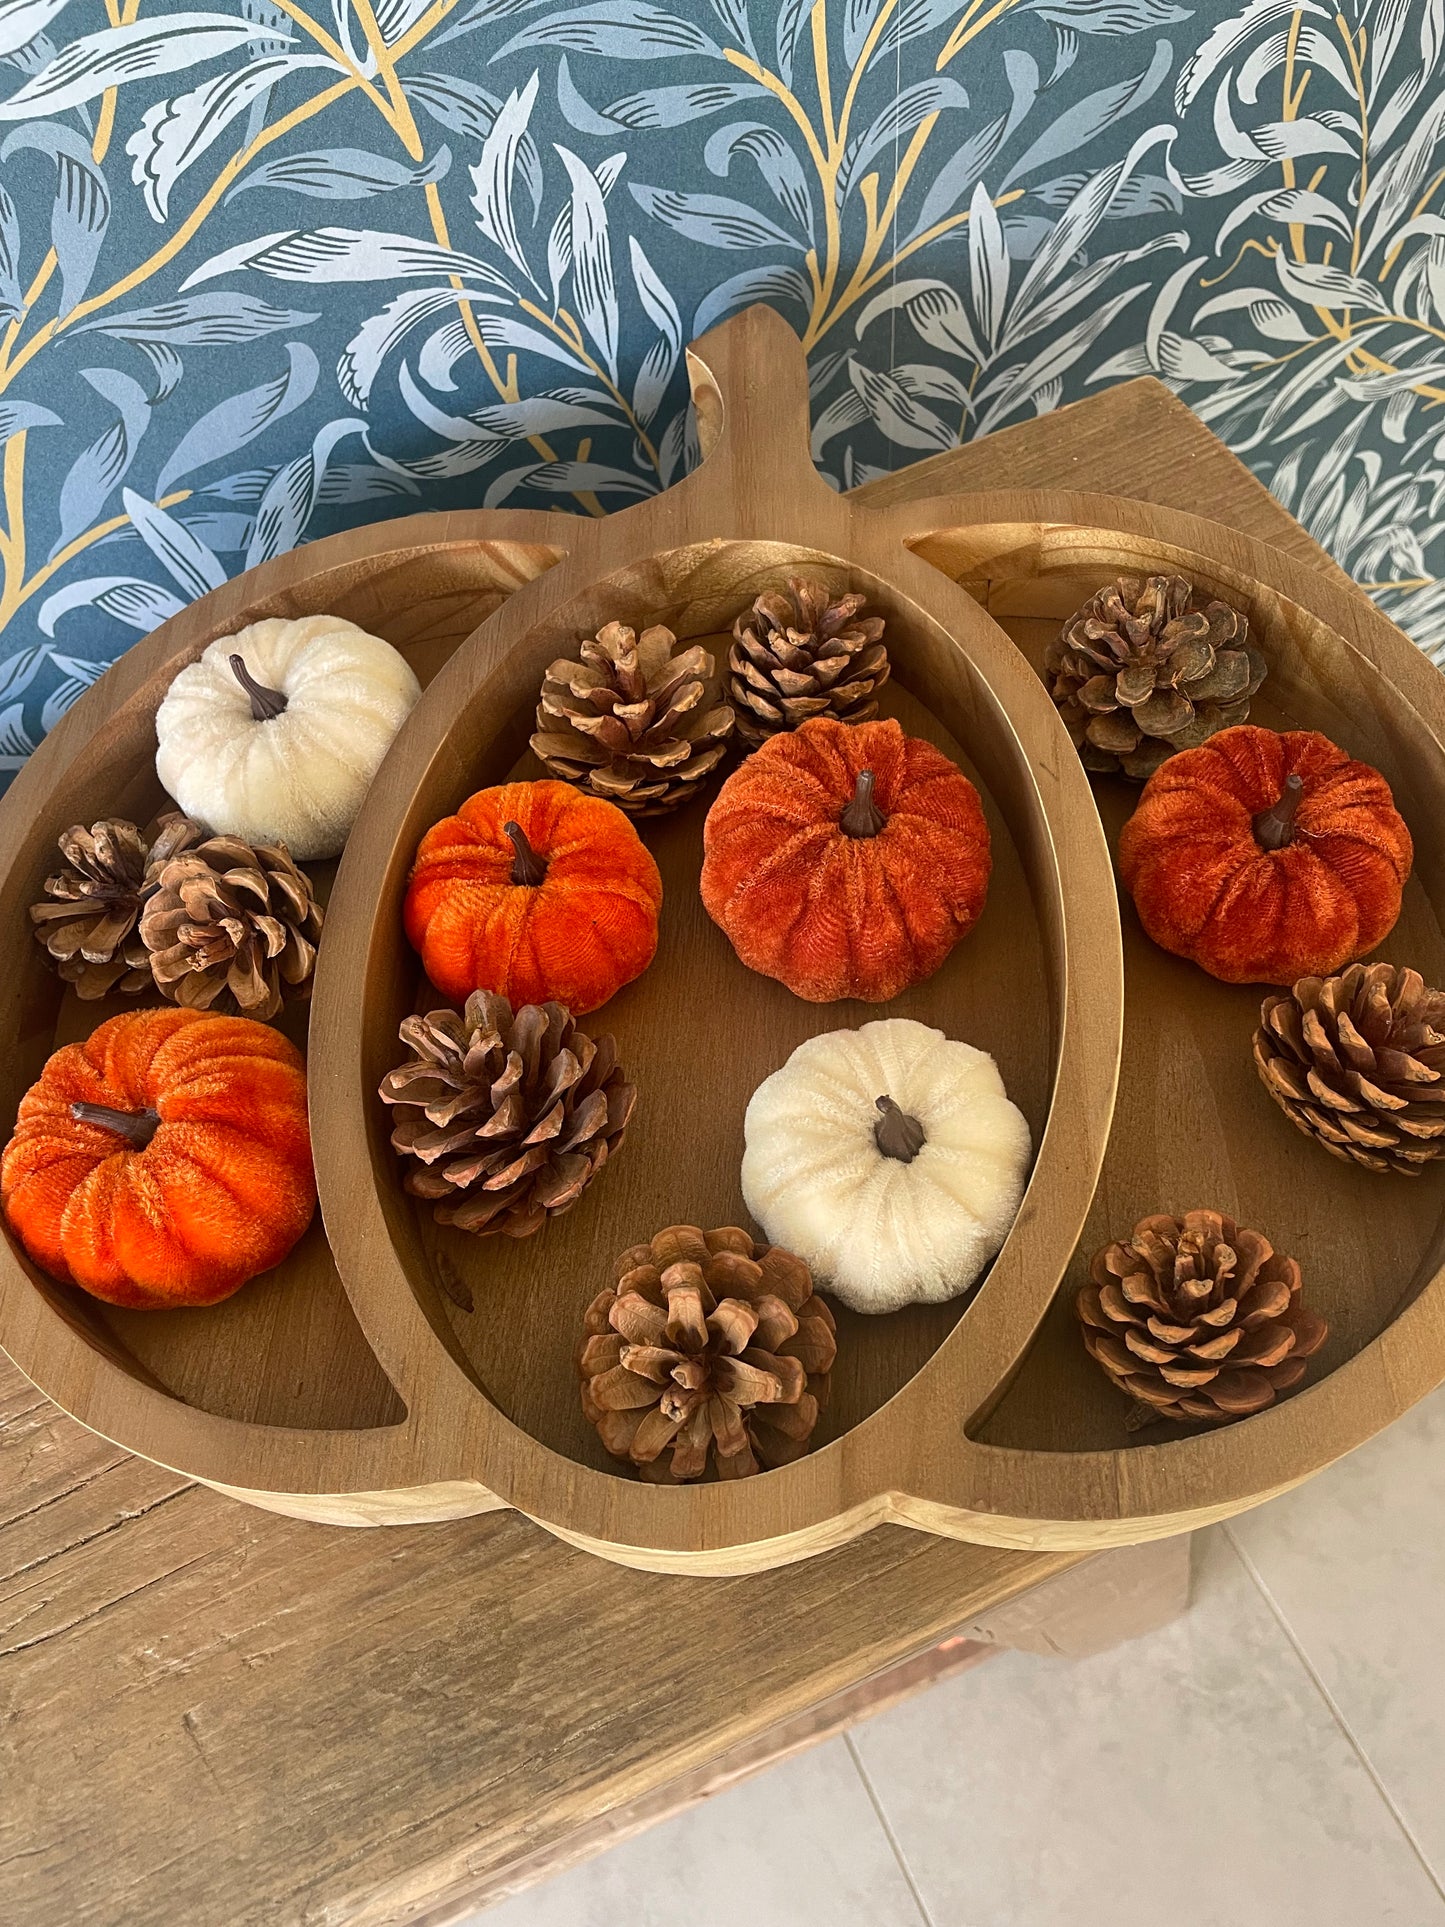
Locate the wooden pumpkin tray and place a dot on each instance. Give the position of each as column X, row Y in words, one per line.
column 395, row 1371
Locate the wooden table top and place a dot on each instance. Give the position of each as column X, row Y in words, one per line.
column 212, row 1716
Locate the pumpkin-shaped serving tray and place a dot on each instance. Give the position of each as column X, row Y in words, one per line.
column 396, row 1371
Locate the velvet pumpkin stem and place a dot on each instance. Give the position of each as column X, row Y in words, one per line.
column 862, row 817
column 527, row 866
column 1274, row 827
column 266, row 704
column 896, row 1134
column 138, row 1127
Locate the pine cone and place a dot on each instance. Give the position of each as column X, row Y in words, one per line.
column 632, row 722
column 1143, row 670
column 1358, row 1061
column 804, row 654
column 510, row 1117
column 230, row 926
column 1198, row 1318
column 706, row 1345
column 88, row 918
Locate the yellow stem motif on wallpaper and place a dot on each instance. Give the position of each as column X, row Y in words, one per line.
column 1352, row 330
column 1343, row 324
column 857, row 244
column 842, row 271
column 827, row 142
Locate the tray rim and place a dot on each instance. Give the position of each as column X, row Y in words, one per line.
column 118, row 1405
column 1275, row 1450
column 1379, row 1386
column 754, row 372
column 207, row 1445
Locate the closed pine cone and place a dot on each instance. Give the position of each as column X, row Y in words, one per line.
column 231, row 926
column 1198, row 1318
column 1143, row 670
column 1358, row 1062
column 508, row 1117
column 706, row 1347
column 89, row 916
column 631, row 721
column 804, row 653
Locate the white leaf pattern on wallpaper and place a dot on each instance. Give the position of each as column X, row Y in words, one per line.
column 12, row 299
column 17, row 417
column 494, row 175
column 23, row 21
column 138, row 604
column 120, row 56
column 341, row 174
column 364, row 356
column 184, row 557
column 326, row 255
column 199, row 320
column 239, row 419
column 618, row 30
column 971, row 211
column 174, row 134
column 80, row 212
column 593, row 288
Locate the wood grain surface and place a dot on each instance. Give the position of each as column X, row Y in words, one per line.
column 698, row 1022
column 698, row 1033
column 390, row 1372
column 288, row 1350
column 1365, row 1245
column 212, row 1717
column 1100, row 1603
column 274, row 1397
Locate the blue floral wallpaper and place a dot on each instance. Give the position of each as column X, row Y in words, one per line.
column 270, row 268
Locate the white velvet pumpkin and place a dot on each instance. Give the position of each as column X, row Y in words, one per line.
column 289, row 759
column 883, row 1228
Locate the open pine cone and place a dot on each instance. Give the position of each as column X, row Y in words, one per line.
column 706, row 1347
column 632, row 722
column 1198, row 1318
column 804, row 653
column 230, row 926
column 89, row 915
column 1358, row 1062
column 509, row 1117
column 1143, row 670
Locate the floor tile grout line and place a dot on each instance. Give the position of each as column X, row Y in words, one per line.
column 892, row 1838
column 1332, row 1706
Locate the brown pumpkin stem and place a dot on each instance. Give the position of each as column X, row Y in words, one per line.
column 266, row 704
column 527, row 866
column 1274, row 827
column 862, row 816
column 138, row 1127
column 896, row 1134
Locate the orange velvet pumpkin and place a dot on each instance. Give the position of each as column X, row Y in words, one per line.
column 1265, row 857
column 164, row 1161
column 537, row 892
column 845, row 860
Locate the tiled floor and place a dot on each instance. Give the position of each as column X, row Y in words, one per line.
column 1276, row 1758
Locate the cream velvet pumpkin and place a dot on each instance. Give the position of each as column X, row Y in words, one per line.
column 275, row 733
column 889, row 1159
